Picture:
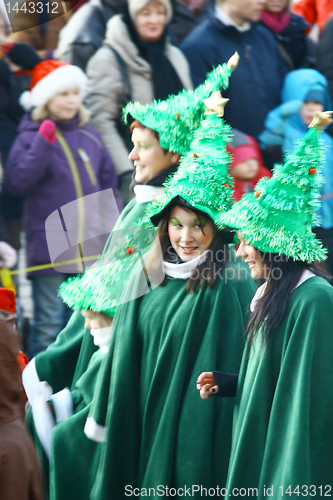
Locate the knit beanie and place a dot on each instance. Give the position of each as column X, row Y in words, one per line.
column 134, row 6
column 316, row 95
column 50, row 78
column 242, row 147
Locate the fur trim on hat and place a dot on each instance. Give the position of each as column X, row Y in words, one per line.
column 57, row 81
column 135, row 5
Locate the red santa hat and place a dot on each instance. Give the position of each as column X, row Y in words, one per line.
column 50, row 78
column 7, row 300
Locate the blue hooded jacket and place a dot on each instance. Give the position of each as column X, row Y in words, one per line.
column 284, row 126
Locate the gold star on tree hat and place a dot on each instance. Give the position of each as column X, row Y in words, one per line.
column 203, row 178
column 178, row 116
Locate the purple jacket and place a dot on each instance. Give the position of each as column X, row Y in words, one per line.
column 42, row 173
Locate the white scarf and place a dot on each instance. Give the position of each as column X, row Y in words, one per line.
column 184, row 270
column 145, row 194
column 102, row 337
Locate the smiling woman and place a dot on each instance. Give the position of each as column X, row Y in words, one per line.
column 164, row 337
column 190, row 232
column 282, row 431
column 147, row 154
column 258, row 268
column 151, row 20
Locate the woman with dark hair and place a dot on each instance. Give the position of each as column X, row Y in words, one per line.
column 160, row 133
column 283, row 432
column 165, row 335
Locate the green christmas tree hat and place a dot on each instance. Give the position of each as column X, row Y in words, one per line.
column 202, row 178
column 279, row 215
column 176, row 117
column 203, row 181
column 101, row 287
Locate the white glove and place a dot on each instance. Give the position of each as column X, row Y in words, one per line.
column 8, row 256
column 63, row 404
column 43, row 418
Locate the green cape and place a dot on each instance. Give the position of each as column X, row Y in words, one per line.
column 283, row 426
column 158, row 430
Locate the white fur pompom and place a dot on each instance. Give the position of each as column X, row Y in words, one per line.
column 25, row 100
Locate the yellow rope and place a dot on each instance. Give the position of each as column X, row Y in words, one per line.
column 46, row 266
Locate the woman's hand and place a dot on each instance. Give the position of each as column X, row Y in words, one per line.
column 206, row 385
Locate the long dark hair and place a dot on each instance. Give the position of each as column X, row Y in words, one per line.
column 218, row 256
column 283, row 275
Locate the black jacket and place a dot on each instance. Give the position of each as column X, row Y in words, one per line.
column 297, row 49
column 325, row 59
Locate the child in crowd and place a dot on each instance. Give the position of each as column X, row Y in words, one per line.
column 289, row 30
column 19, row 471
column 246, row 166
column 304, row 92
column 57, row 159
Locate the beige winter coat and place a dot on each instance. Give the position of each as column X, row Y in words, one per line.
column 105, row 92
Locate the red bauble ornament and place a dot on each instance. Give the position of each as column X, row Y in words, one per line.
column 130, row 250
column 195, row 155
column 226, row 184
column 312, row 171
column 257, row 194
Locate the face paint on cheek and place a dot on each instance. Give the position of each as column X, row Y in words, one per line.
column 172, row 232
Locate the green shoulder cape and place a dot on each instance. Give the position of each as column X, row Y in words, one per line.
column 157, row 430
column 64, row 364
column 283, row 428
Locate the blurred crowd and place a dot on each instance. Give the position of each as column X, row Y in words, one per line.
column 139, row 51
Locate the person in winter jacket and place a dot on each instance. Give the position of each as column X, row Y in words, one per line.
column 257, row 82
column 289, row 31
column 19, row 471
column 136, row 63
column 56, row 159
column 324, row 58
column 84, row 33
column 16, row 62
column 247, row 166
column 187, row 14
column 40, row 26
column 304, row 92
